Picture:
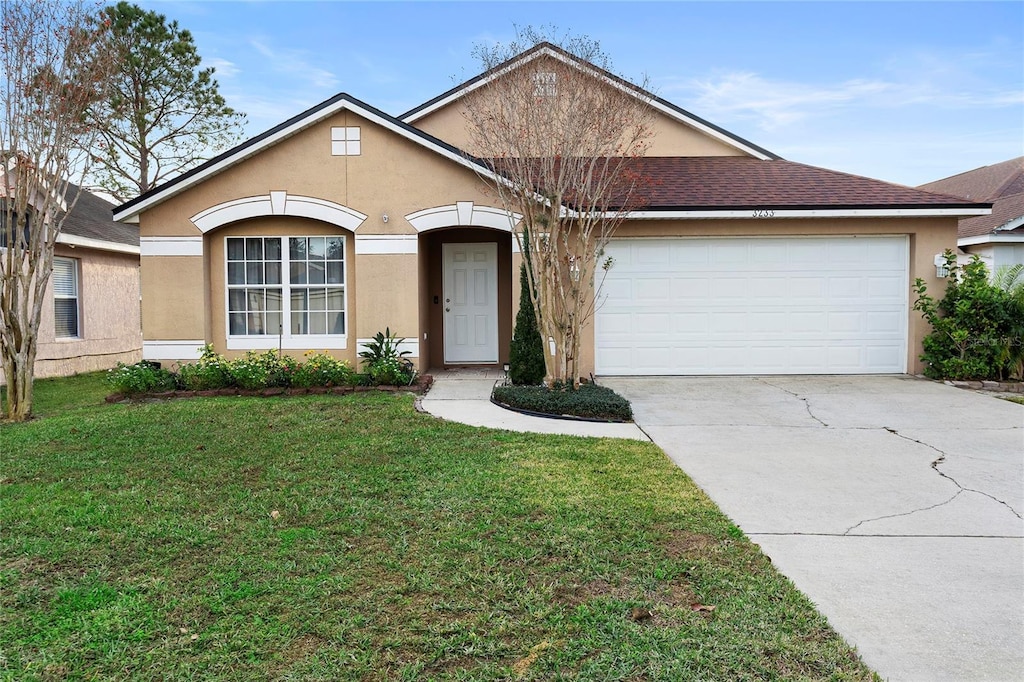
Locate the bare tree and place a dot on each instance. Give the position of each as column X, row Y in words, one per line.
column 56, row 70
column 565, row 137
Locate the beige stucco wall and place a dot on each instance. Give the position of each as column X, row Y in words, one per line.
column 109, row 328
column 392, row 176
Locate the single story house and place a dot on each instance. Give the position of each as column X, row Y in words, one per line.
column 345, row 220
column 91, row 315
column 998, row 238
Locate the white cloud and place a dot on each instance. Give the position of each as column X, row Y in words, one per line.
column 224, row 68
column 296, row 64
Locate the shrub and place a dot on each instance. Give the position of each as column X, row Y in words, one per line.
column 385, row 363
column 262, row 370
column 142, row 377
column 526, row 353
column 210, row 372
column 589, row 400
column 321, row 369
column 977, row 327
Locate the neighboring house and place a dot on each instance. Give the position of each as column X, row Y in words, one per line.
column 91, row 315
column 998, row 239
column 344, row 220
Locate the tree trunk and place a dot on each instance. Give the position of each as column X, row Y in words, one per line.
column 19, row 373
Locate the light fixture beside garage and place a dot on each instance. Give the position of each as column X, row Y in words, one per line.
column 941, row 269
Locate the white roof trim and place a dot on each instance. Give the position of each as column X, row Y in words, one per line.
column 991, row 239
column 1011, row 224
column 343, row 104
column 548, row 52
column 74, row 240
column 770, row 214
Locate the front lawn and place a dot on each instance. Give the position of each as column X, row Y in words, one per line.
column 351, row 538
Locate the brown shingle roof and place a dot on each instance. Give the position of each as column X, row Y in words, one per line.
column 1000, row 183
column 732, row 182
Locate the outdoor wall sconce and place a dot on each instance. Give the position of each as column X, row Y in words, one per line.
column 384, row 218
column 941, row 269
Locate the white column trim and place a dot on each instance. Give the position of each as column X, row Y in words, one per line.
column 386, row 244
column 171, row 246
column 173, row 349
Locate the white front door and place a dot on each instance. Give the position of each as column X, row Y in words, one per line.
column 470, row 302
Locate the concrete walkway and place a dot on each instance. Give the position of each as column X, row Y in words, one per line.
column 894, row 503
column 464, row 396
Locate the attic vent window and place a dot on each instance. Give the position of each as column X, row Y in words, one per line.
column 345, row 141
column 545, row 84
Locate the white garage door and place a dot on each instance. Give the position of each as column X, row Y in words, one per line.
column 790, row 305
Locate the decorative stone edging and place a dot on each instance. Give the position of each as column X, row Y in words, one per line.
column 996, row 386
column 420, row 386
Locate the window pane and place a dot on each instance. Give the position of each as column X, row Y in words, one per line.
column 318, row 323
column 273, row 323
column 336, row 323
column 256, row 323
column 298, row 273
column 254, row 273
column 254, row 248
column 299, row 323
column 237, row 323
column 236, row 273
column 297, row 248
column 273, row 249
column 316, row 273
column 335, row 299
column 273, row 273
column 65, row 317
column 64, row 277
column 273, row 299
column 334, row 248
column 236, row 249
column 335, row 272
column 299, row 299
column 318, row 299
column 317, row 249
column 236, row 300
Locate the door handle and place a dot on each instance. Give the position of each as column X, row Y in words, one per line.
column 447, row 310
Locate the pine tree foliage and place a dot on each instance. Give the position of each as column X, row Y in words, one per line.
column 526, row 353
column 171, row 115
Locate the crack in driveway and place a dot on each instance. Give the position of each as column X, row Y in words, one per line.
column 806, row 401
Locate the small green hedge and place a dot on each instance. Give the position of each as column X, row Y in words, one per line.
column 589, row 401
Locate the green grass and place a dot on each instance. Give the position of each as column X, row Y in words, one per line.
column 1014, row 399
column 140, row 541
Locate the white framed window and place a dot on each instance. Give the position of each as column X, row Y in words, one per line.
column 345, row 141
column 545, row 84
column 287, row 290
column 65, row 298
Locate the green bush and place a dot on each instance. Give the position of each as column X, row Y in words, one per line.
column 589, row 400
column 385, row 363
column 526, row 352
column 321, row 369
column 256, row 370
column 142, row 377
column 211, row 371
column 977, row 327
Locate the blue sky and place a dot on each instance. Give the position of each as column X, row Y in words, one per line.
column 907, row 92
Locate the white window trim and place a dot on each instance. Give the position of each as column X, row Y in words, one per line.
column 285, row 340
column 345, row 141
column 77, row 298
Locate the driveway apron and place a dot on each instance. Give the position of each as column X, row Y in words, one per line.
column 894, row 503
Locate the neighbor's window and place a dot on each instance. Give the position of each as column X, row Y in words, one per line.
column 345, row 141
column 292, row 286
column 65, row 297
column 545, row 84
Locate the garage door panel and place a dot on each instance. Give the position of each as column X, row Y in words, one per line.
column 754, row 306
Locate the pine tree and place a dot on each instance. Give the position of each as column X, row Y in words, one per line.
column 526, row 354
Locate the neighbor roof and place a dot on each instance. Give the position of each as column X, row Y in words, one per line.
column 1000, row 183
column 91, row 218
column 549, row 50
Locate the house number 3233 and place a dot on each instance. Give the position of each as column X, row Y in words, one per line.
column 764, row 213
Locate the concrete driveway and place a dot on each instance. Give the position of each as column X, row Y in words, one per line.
column 894, row 503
